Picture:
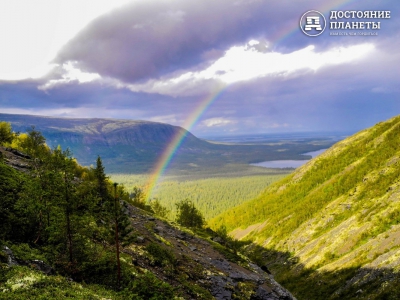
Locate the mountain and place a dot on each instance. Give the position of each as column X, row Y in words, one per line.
column 116, row 141
column 331, row 229
column 136, row 146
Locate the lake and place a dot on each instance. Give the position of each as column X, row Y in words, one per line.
column 280, row 164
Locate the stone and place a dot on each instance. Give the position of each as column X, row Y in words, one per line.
column 11, row 261
column 140, row 239
column 158, row 229
column 42, row 266
column 217, row 239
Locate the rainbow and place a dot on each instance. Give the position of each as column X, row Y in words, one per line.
column 175, row 143
column 205, row 103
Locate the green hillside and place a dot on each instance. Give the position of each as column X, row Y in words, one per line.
column 336, row 220
column 68, row 232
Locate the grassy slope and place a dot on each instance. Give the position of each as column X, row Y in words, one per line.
column 338, row 213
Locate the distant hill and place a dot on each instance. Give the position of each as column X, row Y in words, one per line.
column 135, row 146
column 335, row 222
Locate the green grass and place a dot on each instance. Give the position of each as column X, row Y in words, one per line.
column 22, row 283
column 329, row 178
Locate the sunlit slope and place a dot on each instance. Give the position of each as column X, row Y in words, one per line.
column 339, row 210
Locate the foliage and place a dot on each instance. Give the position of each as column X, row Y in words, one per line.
column 188, row 215
column 148, row 287
column 6, row 133
column 159, row 209
column 160, row 255
column 24, row 283
column 138, row 198
column 66, row 212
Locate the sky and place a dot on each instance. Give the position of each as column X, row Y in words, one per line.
column 215, row 67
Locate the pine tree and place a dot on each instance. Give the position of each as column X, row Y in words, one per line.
column 188, row 215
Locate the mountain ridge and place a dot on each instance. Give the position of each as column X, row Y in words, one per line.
column 129, row 146
column 340, row 211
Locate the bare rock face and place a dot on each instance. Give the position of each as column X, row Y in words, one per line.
column 15, row 159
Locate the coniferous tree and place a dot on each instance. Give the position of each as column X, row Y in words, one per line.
column 188, row 215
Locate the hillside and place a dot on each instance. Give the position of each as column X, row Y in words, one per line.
column 128, row 146
column 335, row 222
column 57, row 242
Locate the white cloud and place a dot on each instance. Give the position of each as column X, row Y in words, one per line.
column 242, row 63
column 214, row 122
column 69, row 74
column 169, row 119
column 32, row 32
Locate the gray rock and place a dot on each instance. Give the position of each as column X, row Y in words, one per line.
column 183, row 236
column 42, row 266
column 240, row 276
column 140, row 239
column 11, row 261
column 263, row 294
column 219, row 288
column 217, row 239
column 221, row 264
column 158, row 229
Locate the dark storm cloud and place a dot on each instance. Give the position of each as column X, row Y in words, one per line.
column 148, row 39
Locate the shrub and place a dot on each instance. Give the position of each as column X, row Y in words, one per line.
column 160, row 255
column 188, row 215
column 150, row 287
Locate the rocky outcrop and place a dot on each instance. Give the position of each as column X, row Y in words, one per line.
column 15, row 159
column 35, row 263
column 199, row 259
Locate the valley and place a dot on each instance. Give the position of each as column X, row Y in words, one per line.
column 326, row 230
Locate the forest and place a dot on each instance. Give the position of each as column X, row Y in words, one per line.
column 211, row 196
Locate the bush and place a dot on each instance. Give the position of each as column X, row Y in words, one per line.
column 188, row 215
column 150, row 287
column 160, row 255
column 6, row 134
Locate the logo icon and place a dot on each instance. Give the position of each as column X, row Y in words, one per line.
column 313, row 23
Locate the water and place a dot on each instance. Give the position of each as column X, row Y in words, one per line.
column 280, row 164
